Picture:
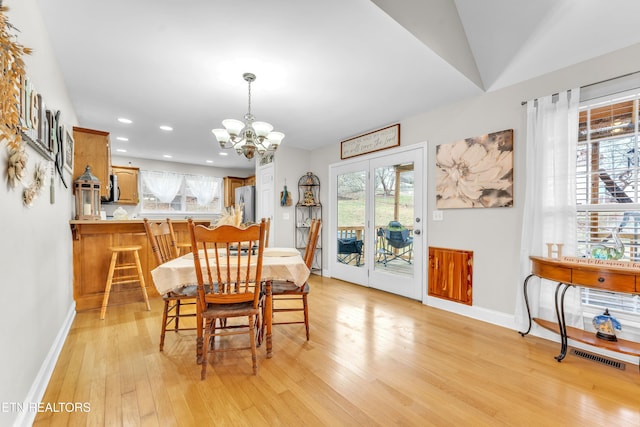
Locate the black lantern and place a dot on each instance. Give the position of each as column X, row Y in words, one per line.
column 87, row 189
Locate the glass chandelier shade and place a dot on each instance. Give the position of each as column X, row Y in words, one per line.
column 249, row 136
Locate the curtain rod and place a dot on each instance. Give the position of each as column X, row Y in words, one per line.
column 591, row 84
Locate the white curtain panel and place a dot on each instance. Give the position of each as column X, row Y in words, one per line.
column 163, row 185
column 550, row 198
column 205, row 188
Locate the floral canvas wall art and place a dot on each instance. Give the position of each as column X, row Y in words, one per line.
column 475, row 172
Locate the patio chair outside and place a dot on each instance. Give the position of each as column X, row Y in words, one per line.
column 396, row 244
column 350, row 250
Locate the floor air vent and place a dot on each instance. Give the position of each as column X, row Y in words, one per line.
column 599, row 359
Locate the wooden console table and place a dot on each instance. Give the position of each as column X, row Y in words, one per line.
column 567, row 274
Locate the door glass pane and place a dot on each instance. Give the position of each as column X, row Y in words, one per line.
column 393, row 214
column 351, row 218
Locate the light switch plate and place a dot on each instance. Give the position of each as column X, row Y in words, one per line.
column 438, row 215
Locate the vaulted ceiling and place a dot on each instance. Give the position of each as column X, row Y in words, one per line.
column 326, row 70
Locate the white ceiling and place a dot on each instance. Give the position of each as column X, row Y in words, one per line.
column 326, row 70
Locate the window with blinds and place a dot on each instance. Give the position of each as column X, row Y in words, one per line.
column 607, row 188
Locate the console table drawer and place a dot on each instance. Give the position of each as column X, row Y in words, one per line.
column 605, row 280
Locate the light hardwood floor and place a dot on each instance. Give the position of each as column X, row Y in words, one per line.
column 373, row 359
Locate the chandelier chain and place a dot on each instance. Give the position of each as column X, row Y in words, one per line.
column 249, row 108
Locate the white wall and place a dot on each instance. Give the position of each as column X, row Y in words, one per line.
column 493, row 234
column 290, row 165
column 35, row 254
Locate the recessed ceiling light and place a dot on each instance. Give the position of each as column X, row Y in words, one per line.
column 165, row 127
column 121, row 150
column 122, row 138
column 167, row 156
column 224, row 154
column 209, row 161
column 123, row 120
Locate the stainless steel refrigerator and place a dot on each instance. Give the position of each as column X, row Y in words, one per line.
column 246, row 198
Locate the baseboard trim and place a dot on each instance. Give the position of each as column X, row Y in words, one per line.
column 40, row 383
column 478, row 313
column 509, row 322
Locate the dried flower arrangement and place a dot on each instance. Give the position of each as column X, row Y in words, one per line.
column 11, row 86
column 11, row 83
column 231, row 216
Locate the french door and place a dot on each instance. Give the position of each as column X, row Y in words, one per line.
column 377, row 222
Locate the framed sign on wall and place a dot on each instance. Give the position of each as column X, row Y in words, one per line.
column 377, row 140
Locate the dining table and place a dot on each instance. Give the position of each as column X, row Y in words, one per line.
column 277, row 264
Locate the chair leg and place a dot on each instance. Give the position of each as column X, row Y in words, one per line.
column 176, row 320
column 252, row 338
column 259, row 326
column 141, row 276
column 206, row 348
column 306, row 314
column 164, row 324
column 199, row 338
column 107, row 289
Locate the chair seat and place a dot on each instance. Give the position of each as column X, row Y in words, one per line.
column 230, row 310
column 186, row 291
column 282, row 287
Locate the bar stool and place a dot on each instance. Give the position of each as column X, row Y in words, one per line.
column 139, row 277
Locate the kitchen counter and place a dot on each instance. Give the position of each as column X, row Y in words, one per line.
column 91, row 257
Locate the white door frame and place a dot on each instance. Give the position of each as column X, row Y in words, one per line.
column 265, row 197
column 361, row 276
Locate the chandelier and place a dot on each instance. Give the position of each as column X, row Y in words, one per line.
column 249, row 136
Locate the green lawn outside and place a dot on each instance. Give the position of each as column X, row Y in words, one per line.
column 351, row 212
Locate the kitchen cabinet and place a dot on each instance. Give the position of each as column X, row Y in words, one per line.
column 92, row 148
column 127, row 184
column 231, row 183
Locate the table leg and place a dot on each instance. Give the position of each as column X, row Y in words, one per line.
column 268, row 315
column 562, row 324
column 526, row 302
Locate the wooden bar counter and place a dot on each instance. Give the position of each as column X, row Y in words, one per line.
column 91, row 257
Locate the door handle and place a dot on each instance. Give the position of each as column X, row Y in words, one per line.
column 416, row 232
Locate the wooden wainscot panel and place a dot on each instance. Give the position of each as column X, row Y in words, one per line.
column 451, row 274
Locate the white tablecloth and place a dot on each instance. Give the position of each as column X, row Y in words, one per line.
column 277, row 264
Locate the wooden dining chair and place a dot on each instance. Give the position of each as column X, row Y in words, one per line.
column 177, row 304
column 289, row 291
column 267, row 231
column 229, row 286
